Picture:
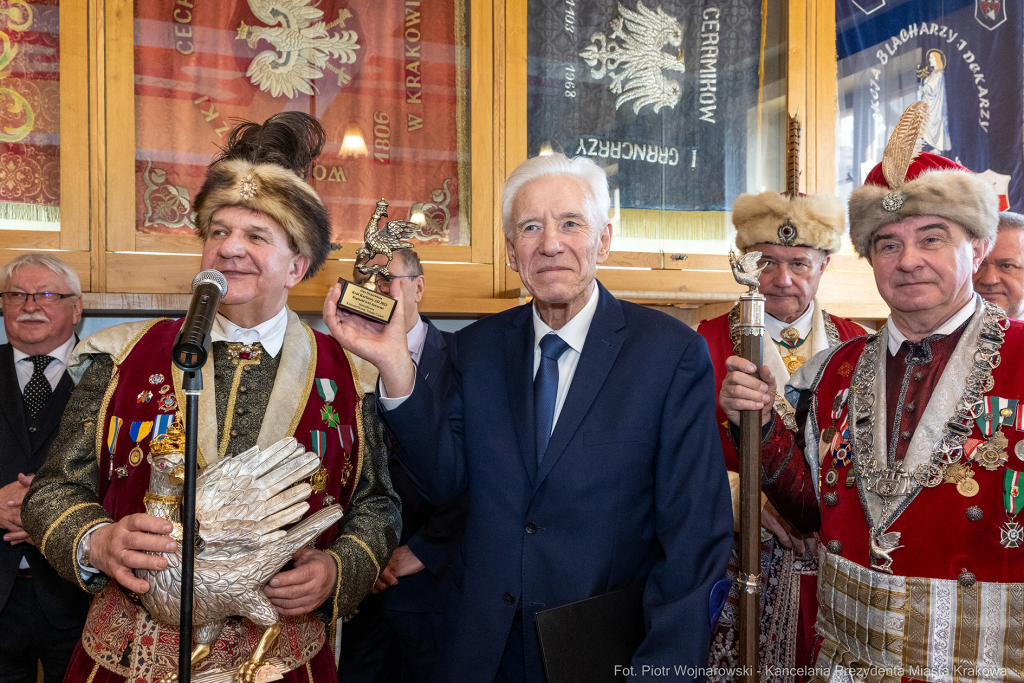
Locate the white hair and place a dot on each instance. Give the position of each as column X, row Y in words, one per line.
column 56, row 266
column 1009, row 219
column 582, row 169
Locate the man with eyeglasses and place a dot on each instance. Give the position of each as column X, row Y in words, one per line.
column 796, row 237
column 41, row 614
column 395, row 635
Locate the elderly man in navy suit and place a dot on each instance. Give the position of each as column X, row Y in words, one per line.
column 397, row 632
column 584, row 430
column 41, row 614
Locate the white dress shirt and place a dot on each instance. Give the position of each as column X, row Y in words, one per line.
column 416, row 338
column 54, row 371
column 774, row 326
column 573, row 333
column 896, row 338
column 269, row 334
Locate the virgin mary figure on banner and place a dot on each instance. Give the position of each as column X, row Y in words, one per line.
column 932, row 91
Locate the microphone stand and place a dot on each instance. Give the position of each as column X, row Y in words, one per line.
column 193, row 385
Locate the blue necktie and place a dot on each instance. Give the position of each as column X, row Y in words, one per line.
column 545, row 388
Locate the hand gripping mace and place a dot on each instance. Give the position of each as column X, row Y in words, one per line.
column 751, row 334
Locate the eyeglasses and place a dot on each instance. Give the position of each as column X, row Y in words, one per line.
column 387, row 279
column 39, row 297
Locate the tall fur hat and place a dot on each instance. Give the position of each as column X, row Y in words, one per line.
column 910, row 183
column 263, row 168
column 790, row 219
column 815, row 220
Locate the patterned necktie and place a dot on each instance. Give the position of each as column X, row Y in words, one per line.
column 38, row 389
column 545, row 388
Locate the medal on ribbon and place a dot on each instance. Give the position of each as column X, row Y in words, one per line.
column 138, row 432
column 160, row 425
column 112, row 432
column 329, row 415
column 326, row 388
column 995, row 413
column 1011, row 534
column 319, row 479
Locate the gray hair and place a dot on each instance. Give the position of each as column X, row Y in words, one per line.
column 56, row 266
column 583, row 169
column 411, row 260
column 1009, row 219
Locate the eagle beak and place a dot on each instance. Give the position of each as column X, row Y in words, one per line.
column 178, row 475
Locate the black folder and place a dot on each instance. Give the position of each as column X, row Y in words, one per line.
column 592, row 640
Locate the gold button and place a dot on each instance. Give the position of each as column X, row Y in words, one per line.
column 241, row 388
column 234, row 432
column 240, row 411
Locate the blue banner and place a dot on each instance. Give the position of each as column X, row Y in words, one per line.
column 963, row 57
column 657, row 92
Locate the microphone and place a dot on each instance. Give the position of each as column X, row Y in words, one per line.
column 189, row 352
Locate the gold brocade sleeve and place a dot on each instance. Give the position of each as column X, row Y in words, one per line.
column 62, row 502
column 371, row 526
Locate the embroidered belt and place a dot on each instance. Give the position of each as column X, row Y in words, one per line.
column 120, row 636
column 878, row 627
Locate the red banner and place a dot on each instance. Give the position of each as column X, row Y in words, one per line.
column 387, row 80
column 29, row 112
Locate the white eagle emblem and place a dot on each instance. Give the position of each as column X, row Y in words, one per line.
column 634, row 56
column 302, row 48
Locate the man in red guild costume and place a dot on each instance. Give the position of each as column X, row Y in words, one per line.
column 270, row 376
column 796, row 236
column 908, row 453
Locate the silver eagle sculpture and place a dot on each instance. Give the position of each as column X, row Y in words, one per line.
column 745, row 270
column 243, row 505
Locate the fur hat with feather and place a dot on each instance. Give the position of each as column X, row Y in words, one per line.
column 263, row 168
column 789, row 219
column 910, row 183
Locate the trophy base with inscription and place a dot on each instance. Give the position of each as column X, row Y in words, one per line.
column 365, row 303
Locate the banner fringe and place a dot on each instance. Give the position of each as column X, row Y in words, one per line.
column 36, row 213
column 672, row 225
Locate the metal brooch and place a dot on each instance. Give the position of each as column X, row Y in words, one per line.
column 892, row 202
column 247, row 187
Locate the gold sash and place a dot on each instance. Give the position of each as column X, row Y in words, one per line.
column 879, row 628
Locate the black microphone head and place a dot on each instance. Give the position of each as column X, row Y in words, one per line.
column 213, row 276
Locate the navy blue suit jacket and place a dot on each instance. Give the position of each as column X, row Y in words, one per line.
column 432, row 532
column 632, row 487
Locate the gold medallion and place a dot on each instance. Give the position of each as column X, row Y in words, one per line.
column 793, row 362
column 828, row 434
column 957, row 472
column 135, row 457
column 319, row 480
column 992, row 453
column 790, row 335
column 968, row 488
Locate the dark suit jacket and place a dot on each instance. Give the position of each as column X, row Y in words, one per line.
column 24, row 444
column 632, row 488
column 432, row 532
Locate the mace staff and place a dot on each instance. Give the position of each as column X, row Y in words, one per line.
column 751, row 335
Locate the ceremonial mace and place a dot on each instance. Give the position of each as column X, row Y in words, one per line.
column 751, row 335
column 189, row 355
